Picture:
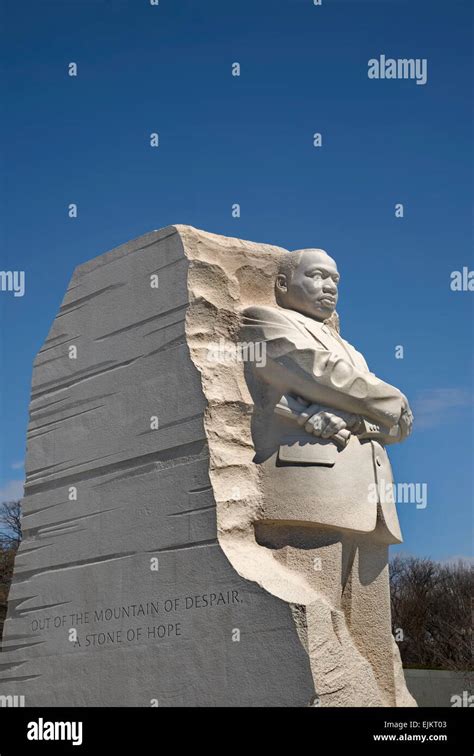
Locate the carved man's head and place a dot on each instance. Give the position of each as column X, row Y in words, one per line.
column 307, row 282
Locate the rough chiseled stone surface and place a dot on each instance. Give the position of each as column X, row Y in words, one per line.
column 109, row 498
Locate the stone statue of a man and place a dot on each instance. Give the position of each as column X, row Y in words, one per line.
column 320, row 425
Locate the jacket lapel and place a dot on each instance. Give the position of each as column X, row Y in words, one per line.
column 318, row 330
column 325, row 337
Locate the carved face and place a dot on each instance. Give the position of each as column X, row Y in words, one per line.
column 312, row 288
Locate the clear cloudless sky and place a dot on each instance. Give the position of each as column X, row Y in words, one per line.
column 249, row 140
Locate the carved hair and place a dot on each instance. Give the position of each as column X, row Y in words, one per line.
column 290, row 261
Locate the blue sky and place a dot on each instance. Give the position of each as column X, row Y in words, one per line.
column 248, row 139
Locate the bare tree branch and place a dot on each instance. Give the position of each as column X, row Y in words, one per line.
column 10, row 523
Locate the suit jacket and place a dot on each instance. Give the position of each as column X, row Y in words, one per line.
column 306, row 479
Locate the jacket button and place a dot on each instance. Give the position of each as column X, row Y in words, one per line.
column 378, row 461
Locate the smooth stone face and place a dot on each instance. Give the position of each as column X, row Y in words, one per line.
column 122, row 593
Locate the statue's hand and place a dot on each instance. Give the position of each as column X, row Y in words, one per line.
column 322, row 423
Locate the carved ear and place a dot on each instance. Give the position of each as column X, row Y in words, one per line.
column 333, row 322
column 281, row 283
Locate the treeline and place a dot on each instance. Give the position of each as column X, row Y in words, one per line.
column 10, row 537
column 432, row 612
